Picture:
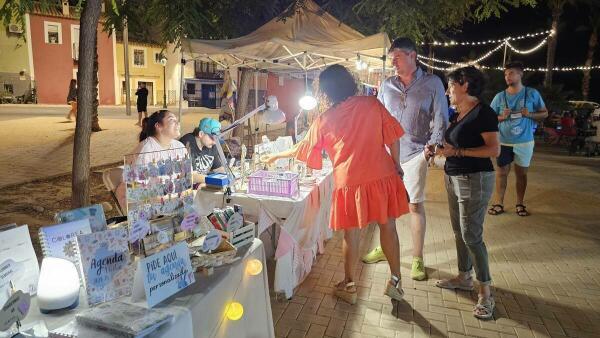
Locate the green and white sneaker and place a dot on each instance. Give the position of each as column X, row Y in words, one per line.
column 418, row 269
column 374, row 256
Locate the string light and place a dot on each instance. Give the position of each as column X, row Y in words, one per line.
column 254, row 267
column 234, row 311
column 539, row 69
column 488, row 42
column 459, row 64
column 528, row 51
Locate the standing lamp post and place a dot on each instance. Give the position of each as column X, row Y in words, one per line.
column 163, row 62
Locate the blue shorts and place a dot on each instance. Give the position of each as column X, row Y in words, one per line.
column 520, row 153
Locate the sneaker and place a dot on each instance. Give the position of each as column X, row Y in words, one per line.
column 418, row 269
column 346, row 291
column 376, row 255
column 394, row 289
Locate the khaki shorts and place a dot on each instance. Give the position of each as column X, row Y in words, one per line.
column 415, row 176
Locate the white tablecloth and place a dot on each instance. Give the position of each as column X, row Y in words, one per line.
column 303, row 225
column 199, row 310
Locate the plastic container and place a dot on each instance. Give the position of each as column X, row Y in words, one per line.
column 271, row 183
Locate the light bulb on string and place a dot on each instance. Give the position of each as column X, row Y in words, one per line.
column 254, row 267
column 234, row 311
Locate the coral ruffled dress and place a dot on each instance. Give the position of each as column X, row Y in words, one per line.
column 367, row 187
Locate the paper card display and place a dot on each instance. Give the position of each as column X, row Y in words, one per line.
column 59, row 240
column 18, row 262
column 165, row 273
column 158, row 184
column 105, row 263
column 15, row 309
column 95, row 213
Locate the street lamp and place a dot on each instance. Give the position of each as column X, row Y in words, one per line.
column 163, row 62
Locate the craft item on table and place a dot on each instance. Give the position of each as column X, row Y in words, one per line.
column 217, row 180
column 59, row 240
column 162, row 235
column 8, row 226
column 270, row 183
column 163, row 274
column 76, row 330
column 95, row 213
column 58, row 287
column 212, row 240
column 33, row 329
column 124, row 318
column 18, row 262
column 106, row 265
column 224, row 253
column 14, row 310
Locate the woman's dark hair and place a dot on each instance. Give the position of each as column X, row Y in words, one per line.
column 337, row 83
column 196, row 132
column 473, row 76
column 149, row 123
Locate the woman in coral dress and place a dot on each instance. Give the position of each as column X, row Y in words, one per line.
column 354, row 133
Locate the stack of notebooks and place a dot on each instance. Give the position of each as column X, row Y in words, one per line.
column 115, row 319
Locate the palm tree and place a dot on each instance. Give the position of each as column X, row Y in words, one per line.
column 556, row 7
column 594, row 25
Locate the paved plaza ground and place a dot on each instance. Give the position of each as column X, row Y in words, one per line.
column 546, row 267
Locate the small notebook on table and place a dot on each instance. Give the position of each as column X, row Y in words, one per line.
column 60, row 240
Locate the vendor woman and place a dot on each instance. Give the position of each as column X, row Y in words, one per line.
column 201, row 146
column 159, row 133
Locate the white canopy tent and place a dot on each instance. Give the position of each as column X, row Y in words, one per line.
column 310, row 39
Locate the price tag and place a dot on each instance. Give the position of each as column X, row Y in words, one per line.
column 211, row 241
column 138, row 230
column 9, row 270
column 190, row 221
column 235, row 222
column 15, row 309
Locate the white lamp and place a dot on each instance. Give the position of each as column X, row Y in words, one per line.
column 58, row 286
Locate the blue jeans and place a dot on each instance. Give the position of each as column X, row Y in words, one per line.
column 468, row 197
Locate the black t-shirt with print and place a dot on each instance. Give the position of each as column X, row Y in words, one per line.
column 466, row 133
column 204, row 160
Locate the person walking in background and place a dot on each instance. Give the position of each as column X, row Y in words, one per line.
column 142, row 102
column 470, row 141
column 367, row 188
column 519, row 108
column 418, row 101
column 72, row 100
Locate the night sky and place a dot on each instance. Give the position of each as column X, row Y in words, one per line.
column 571, row 48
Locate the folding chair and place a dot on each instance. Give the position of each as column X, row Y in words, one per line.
column 112, row 178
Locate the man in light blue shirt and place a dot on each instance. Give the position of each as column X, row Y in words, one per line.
column 418, row 101
column 519, row 108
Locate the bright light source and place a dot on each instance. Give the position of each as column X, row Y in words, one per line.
column 307, row 102
column 163, row 61
column 235, row 311
column 254, row 267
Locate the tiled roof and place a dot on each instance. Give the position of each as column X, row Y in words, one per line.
column 55, row 11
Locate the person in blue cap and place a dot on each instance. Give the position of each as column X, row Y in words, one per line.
column 201, row 146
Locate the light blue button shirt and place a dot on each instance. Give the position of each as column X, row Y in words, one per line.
column 421, row 108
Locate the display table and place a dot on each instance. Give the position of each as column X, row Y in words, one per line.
column 302, row 224
column 199, row 310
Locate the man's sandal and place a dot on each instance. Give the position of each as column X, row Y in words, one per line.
column 496, row 209
column 484, row 309
column 522, row 210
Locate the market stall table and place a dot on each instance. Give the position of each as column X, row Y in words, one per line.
column 302, row 223
column 199, row 310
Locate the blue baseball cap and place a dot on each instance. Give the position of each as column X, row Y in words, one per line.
column 209, row 126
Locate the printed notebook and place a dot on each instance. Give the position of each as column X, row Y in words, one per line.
column 75, row 330
column 18, row 262
column 60, row 240
column 95, row 213
column 124, row 318
column 105, row 263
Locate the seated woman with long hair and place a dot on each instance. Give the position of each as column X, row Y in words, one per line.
column 354, row 132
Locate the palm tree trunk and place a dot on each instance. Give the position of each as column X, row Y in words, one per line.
column 557, row 10
column 587, row 73
column 86, row 95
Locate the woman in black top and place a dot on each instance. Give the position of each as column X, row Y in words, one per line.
column 470, row 141
column 72, row 99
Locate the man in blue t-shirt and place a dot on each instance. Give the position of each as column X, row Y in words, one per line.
column 519, row 108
